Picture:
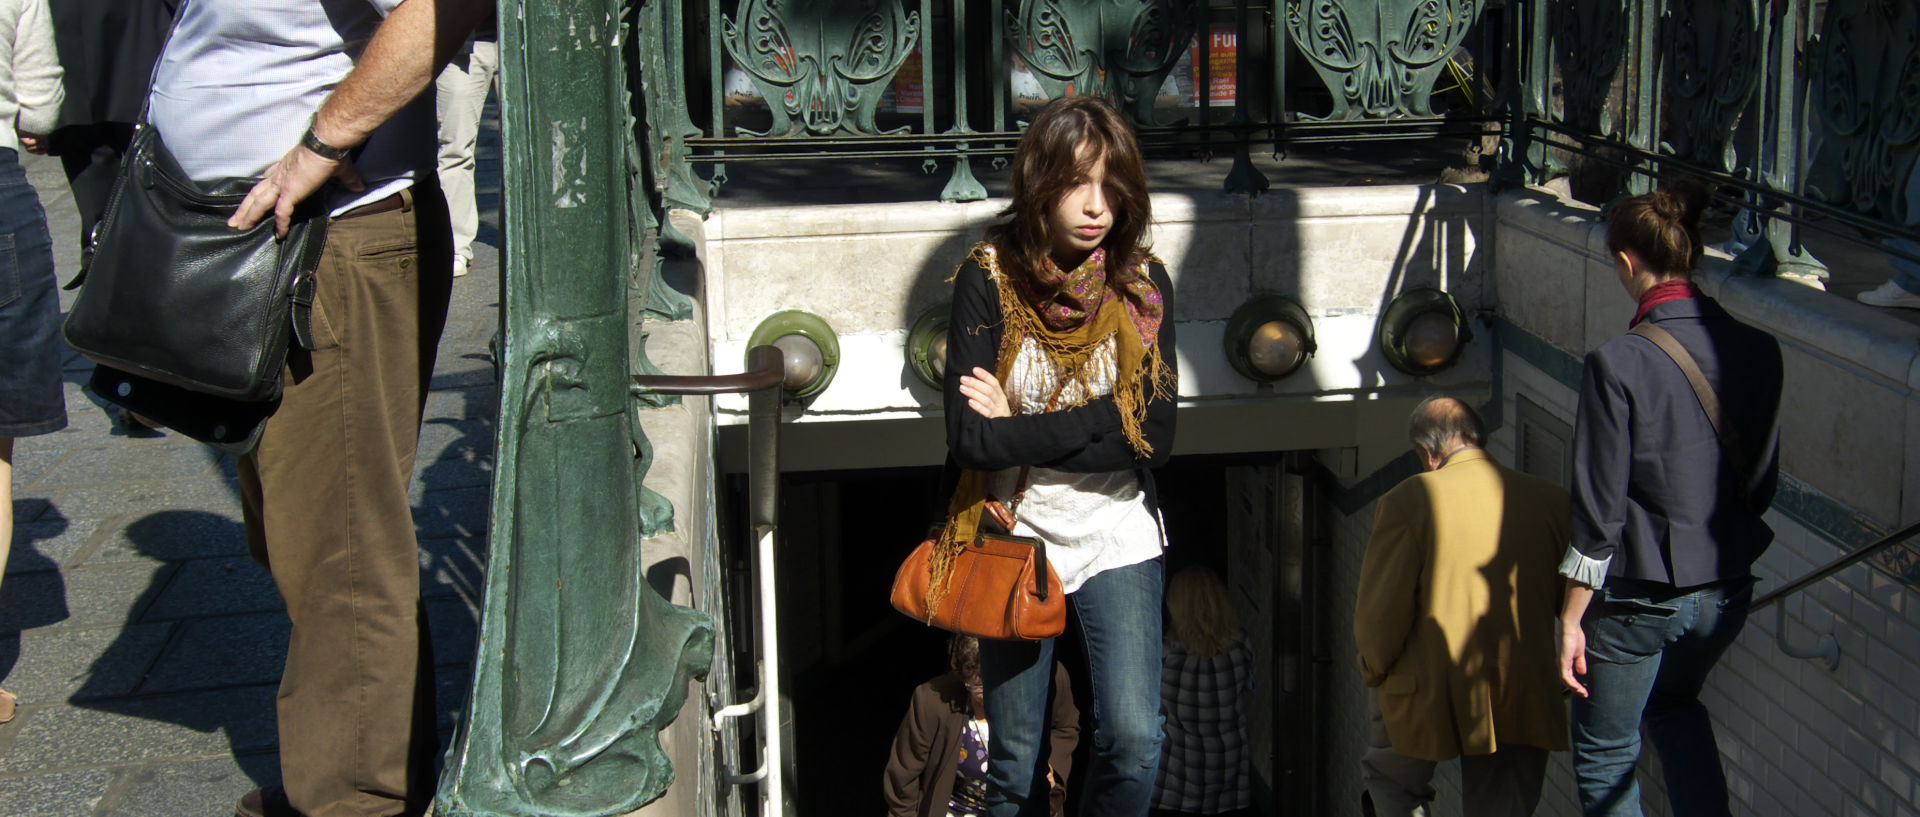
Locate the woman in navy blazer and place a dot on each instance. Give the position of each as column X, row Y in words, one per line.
column 1666, row 518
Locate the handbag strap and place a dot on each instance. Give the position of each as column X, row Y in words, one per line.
column 1703, row 391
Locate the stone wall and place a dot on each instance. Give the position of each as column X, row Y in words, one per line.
column 1343, row 253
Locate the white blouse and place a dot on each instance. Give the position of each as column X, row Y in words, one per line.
column 1090, row 522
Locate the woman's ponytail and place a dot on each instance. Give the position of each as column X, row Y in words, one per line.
column 1662, row 228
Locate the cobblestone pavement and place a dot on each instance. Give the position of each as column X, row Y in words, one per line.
column 143, row 642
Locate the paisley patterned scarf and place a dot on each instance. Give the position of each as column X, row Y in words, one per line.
column 1064, row 300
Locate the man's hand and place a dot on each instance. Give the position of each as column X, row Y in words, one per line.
column 34, row 143
column 1573, row 657
column 984, row 394
column 288, row 182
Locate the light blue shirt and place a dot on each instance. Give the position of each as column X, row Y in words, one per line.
column 240, row 78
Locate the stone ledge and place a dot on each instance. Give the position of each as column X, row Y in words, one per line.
column 1861, row 336
column 1846, row 330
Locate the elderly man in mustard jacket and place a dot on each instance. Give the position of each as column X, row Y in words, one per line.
column 1455, row 624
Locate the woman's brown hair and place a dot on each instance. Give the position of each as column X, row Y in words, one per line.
column 1662, row 229
column 1048, row 164
column 1199, row 613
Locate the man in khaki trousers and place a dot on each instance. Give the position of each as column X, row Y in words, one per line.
column 301, row 93
column 1455, row 625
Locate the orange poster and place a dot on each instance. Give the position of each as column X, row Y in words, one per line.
column 1223, row 50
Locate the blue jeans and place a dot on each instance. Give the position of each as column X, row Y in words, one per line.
column 1649, row 649
column 1119, row 615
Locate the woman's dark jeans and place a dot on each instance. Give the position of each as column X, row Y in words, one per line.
column 1119, row 615
column 1649, row 649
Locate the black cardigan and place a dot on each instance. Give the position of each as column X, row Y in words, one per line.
column 1083, row 439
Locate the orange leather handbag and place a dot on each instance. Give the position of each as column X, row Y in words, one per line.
column 1000, row 586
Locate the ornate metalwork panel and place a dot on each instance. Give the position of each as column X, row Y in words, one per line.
column 821, row 65
column 1122, row 48
column 581, row 662
column 1866, row 89
column 1714, row 51
column 1380, row 59
column 1589, row 46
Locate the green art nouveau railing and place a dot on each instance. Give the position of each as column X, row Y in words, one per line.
column 950, row 81
column 1806, row 115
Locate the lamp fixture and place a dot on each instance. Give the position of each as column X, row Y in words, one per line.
column 927, row 345
column 811, row 347
column 1423, row 331
column 1268, row 338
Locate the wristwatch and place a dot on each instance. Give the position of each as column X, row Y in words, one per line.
column 312, row 142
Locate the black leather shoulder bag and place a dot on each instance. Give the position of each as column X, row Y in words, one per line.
column 176, row 296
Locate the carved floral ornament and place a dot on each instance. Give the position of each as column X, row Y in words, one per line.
column 1866, row 88
column 1714, row 50
column 1380, row 59
column 822, row 65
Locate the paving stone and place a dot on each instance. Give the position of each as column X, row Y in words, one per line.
column 204, row 787
column 450, row 567
column 452, row 512
column 452, row 472
column 216, row 587
column 63, row 794
column 222, row 651
column 132, row 462
column 83, row 597
column 122, row 730
column 442, row 439
column 454, row 624
column 61, row 665
column 150, row 496
column 170, row 536
column 465, row 371
column 452, row 684
column 464, row 403
column 30, row 508
column 49, row 543
column 31, row 460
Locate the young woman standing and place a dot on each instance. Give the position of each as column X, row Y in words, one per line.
column 1060, row 358
column 1666, row 518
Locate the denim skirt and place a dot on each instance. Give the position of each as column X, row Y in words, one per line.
column 31, row 401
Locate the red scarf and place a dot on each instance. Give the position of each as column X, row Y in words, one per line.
column 1674, row 290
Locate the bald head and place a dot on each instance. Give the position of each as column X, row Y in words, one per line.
column 1441, row 424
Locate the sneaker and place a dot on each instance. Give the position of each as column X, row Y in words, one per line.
column 460, row 266
column 1890, row 294
column 1805, row 278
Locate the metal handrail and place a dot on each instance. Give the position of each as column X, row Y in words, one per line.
column 766, row 373
column 1827, row 649
column 1850, row 559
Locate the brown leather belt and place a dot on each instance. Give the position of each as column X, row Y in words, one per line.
column 388, row 204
